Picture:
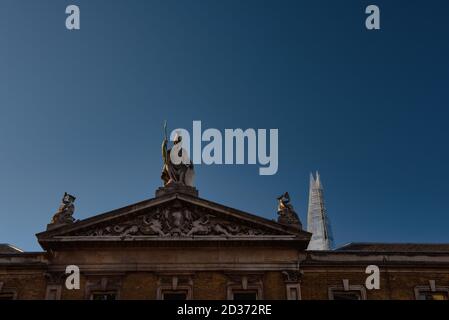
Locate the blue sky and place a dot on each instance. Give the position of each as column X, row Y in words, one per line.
column 82, row 111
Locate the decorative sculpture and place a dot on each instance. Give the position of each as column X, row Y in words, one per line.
column 176, row 221
column 65, row 211
column 174, row 173
column 287, row 214
column 284, row 202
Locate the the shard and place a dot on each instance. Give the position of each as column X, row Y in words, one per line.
column 317, row 221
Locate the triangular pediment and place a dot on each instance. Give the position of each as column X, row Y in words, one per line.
column 173, row 217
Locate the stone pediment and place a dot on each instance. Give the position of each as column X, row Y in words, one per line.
column 175, row 217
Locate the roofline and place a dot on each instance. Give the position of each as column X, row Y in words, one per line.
column 12, row 246
column 392, row 243
column 153, row 201
column 346, row 248
column 22, row 254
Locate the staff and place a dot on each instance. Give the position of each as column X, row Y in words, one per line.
column 164, row 144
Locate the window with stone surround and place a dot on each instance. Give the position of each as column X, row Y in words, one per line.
column 175, row 287
column 53, row 292
column 432, row 292
column 244, row 295
column 429, row 295
column 7, row 296
column 346, row 295
column 292, row 280
column 55, row 281
column 103, row 295
column 293, row 292
column 7, row 293
column 244, row 286
column 174, row 295
column 347, row 292
column 103, row 288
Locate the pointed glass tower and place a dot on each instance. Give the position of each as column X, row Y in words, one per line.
column 317, row 221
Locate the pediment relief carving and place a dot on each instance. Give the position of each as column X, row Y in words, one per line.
column 177, row 220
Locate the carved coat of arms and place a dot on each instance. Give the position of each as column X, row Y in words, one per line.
column 175, row 221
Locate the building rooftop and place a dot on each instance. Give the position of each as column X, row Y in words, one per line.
column 395, row 247
column 8, row 248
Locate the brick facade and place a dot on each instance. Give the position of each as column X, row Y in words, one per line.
column 231, row 255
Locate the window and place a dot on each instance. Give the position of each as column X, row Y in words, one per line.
column 106, row 295
column 175, row 287
column 245, row 286
column 7, row 296
column 7, row 293
column 432, row 292
column 53, row 292
column 174, row 295
column 293, row 294
column 347, row 295
column 429, row 295
column 103, row 288
column 244, row 295
column 347, row 292
column 293, row 291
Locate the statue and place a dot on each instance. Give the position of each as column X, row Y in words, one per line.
column 182, row 173
column 287, row 214
column 284, row 202
column 65, row 211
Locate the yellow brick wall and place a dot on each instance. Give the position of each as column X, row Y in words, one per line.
column 211, row 285
column 28, row 286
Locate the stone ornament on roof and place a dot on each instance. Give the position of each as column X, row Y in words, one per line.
column 286, row 213
column 176, row 172
column 65, row 211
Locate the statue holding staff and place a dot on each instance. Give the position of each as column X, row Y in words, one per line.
column 176, row 172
